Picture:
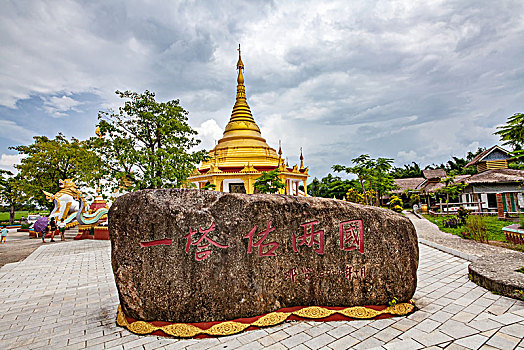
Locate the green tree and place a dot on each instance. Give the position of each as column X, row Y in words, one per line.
column 146, row 144
column 314, row 189
column 381, row 177
column 373, row 176
column 330, row 187
column 46, row 161
column 454, row 166
column 11, row 191
column 457, row 166
column 512, row 134
column 451, row 188
column 269, row 182
column 406, row 172
column 361, row 169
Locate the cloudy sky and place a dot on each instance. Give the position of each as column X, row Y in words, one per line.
column 414, row 81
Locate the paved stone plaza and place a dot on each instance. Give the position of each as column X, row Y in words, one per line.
column 64, row 295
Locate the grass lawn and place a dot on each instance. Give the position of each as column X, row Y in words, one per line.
column 4, row 216
column 493, row 226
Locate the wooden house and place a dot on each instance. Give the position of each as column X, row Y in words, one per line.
column 498, row 188
column 495, row 189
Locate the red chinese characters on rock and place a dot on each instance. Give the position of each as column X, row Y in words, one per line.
column 156, row 243
column 291, row 274
column 202, row 243
column 260, row 243
column 352, row 272
column 351, row 235
column 307, row 274
column 310, row 238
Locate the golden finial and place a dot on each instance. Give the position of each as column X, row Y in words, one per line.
column 240, row 67
column 240, row 64
column 301, row 159
column 279, row 149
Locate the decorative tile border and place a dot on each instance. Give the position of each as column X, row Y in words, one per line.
column 213, row 329
column 514, row 233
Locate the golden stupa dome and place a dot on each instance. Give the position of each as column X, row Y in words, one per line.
column 242, row 142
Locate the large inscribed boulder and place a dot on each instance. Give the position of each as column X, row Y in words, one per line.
column 199, row 256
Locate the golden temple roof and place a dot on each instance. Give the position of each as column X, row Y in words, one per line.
column 242, row 142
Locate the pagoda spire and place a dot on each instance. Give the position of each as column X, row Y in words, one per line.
column 241, row 125
column 301, row 159
column 240, row 67
column 241, row 110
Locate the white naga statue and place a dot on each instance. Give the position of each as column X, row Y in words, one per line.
column 67, row 200
column 70, row 205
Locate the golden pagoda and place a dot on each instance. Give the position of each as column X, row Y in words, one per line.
column 241, row 155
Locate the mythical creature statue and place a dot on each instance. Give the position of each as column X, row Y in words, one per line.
column 70, row 205
column 67, row 200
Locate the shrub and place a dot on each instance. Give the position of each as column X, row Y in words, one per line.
column 458, row 220
column 476, row 228
column 394, row 201
column 521, row 221
column 453, row 222
column 414, row 198
column 397, row 208
column 209, row 186
column 24, row 226
column 269, row 182
column 463, row 214
column 395, row 204
column 354, row 196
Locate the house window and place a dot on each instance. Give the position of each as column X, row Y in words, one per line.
column 492, row 200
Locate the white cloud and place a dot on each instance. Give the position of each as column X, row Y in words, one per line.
column 338, row 78
column 10, row 130
column 407, row 156
column 8, row 161
column 209, row 132
column 59, row 106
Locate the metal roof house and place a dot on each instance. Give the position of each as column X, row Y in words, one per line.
column 499, row 188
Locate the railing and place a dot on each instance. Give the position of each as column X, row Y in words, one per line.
column 444, row 208
column 486, row 213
